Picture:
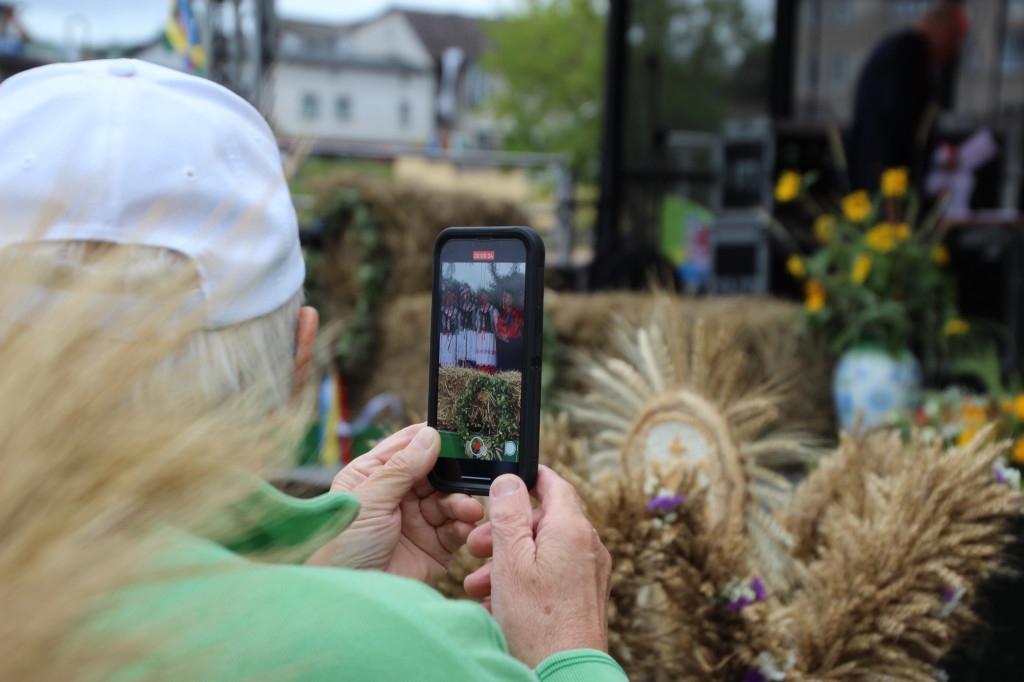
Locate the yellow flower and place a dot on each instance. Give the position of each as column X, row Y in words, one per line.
column 974, row 415
column 894, row 182
column 902, row 231
column 1015, row 407
column 823, row 225
column 856, row 206
column 795, row 265
column 815, row 294
column 1018, row 451
column 955, row 327
column 966, row 436
column 788, row 187
column 861, row 268
column 882, row 238
column 940, row 254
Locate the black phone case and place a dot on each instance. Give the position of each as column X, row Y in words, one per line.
column 533, row 318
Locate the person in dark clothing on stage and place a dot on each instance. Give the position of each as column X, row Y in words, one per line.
column 510, row 335
column 894, row 93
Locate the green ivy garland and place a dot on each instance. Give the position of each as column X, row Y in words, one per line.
column 348, row 209
column 508, row 429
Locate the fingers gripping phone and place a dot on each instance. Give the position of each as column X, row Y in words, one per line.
column 485, row 355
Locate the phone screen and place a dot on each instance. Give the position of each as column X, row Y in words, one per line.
column 481, row 354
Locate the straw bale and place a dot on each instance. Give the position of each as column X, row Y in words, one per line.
column 452, row 382
column 410, row 218
column 401, row 360
column 763, row 328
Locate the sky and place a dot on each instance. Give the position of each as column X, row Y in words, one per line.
column 77, row 22
column 106, row 21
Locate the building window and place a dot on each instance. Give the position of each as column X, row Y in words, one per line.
column 841, row 12
column 837, row 71
column 1013, row 52
column 343, row 108
column 813, row 16
column 310, row 106
column 812, row 72
column 485, row 140
column 909, row 9
column 404, row 113
column 477, row 85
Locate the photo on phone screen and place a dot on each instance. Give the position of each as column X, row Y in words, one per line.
column 481, row 349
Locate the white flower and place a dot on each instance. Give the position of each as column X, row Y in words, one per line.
column 950, row 601
column 775, row 669
column 929, row 434
column 1006, row 474
column 940, row 675
column 649, row 485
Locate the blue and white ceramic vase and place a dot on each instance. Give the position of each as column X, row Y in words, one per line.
column 869, row 382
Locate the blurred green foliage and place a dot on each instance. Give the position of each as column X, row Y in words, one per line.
column 550, row 55
column 689, row 63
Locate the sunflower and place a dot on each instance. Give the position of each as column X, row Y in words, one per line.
column 955, row 327
column 894, row 182
column 856, row 206
column 788, row 187
column 861, row 268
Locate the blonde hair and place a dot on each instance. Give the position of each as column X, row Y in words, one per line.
column 86, row 468
column 214, row 365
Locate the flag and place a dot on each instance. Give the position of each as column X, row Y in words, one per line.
column 181, row 34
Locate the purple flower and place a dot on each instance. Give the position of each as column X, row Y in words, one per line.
column 754, row 676
column 758, row 586
column 1000, row 476
column 666, row 503
column 949, row 595
column 738, row 604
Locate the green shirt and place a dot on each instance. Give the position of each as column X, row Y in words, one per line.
column 210, row 613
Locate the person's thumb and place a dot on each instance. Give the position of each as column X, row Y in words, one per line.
column 389, row 483
column 511, row 518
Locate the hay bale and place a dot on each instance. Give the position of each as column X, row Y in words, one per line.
column 452, row 383
column 410, row 217
column 775, row 349
column 401, row 355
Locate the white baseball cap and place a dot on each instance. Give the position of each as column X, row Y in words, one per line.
column 128, row 152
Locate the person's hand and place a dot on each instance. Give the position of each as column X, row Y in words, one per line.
column 404, row 527
column 548, row 579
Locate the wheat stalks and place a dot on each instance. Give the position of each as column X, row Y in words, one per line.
column 91, row 461
column 886, row 553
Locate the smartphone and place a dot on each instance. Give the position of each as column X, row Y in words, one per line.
column 485, row 355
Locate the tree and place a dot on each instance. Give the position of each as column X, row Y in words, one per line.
column 550, row 55
column 683, row 55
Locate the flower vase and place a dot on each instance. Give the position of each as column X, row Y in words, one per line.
column 870, row 383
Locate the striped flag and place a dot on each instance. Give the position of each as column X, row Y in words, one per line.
column 181, row 34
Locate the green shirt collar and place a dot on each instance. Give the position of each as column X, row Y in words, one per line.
column 271, row 526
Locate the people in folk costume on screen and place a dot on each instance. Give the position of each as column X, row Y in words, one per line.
column 510, row 335
column 466, row 348
column 448, row 355
column 486, row 342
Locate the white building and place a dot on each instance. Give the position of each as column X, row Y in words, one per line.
column 379, row 80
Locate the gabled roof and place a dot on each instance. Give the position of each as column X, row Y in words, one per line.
column 318, row 27
column 441, row 31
